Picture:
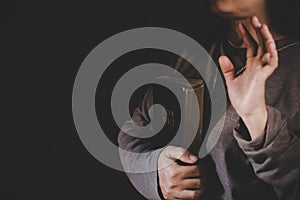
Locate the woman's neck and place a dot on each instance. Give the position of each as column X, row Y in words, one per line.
column 235, row 38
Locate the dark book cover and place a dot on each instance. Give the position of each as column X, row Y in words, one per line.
column 175, row 115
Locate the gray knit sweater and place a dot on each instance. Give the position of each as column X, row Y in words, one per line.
column 265, row 168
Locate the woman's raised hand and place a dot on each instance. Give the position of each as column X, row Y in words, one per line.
column 247, row 90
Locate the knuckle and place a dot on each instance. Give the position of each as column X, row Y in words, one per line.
column 171, row 184
column 194, row 194
column 196, row 184
column 167, row 191
column 196, row 171
column 173, row 174
column 167, row 194
column 269, row 42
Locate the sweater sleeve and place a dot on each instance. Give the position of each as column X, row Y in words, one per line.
column 275, row 156
column 138, row 155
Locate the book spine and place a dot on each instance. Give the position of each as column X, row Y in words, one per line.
column 194, row 141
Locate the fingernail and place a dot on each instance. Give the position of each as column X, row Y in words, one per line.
column 193, row 157
column 256, row 20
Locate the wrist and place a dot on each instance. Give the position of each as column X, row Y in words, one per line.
column 256, row 123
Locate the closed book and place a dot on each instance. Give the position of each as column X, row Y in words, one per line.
column 186, row 114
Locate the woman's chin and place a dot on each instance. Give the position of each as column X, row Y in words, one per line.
column 223, row 13
column 227, row 13
column 219, row 9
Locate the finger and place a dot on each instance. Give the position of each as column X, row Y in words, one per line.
column 267, row 71
column 193, row 184
column 227, row 68
column 266, row 58
column 189, row 194
column 257, row 27
column 270, row 45
column 178, row 153
column 192, row 171
column 248, row 40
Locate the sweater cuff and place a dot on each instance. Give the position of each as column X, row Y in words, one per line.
column 274, row 125
column 147, row 183
column 252, row 145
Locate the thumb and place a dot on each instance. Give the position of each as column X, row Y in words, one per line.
column 227, row 68
column 178, row 153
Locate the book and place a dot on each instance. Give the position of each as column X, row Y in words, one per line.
column 173, row 114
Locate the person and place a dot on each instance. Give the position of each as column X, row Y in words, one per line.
column 258, row 153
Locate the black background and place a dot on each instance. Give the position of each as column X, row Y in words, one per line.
column 44, row 44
